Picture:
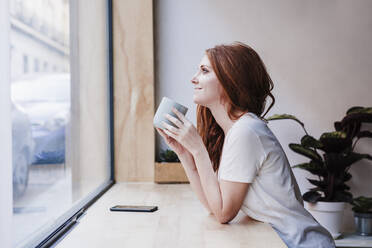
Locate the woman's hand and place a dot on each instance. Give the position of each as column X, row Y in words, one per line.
column 184, row 133
column 173, row 144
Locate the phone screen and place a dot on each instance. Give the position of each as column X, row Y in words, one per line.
column 133, row 208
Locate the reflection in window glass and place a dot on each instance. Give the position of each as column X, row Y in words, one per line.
column 41, row 105
column 50, row 162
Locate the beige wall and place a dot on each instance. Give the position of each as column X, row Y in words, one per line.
column 318, row 53
column 133, row 90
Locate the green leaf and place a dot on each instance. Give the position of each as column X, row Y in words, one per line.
column 284, row 116
column 337, row 162
column 353, row 119
column 311, row 196
column 313, row 167
column 362, row 204
column 307, row 152
column 349, row 119
column 335, row 135
column 309, row 141
column 321, row 184
column 355, row 116
column 359, row 109
column 355, row 157
column 354, row 109
column 364, row 134
column 347, row 176
column 338, row 125
column 336, row 141
column 168, row 156
column 342, row 196
column 316, row 189
column 342, row 187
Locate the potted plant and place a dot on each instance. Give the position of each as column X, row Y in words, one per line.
column 168, row 168
column 330, row 159
column 362, row 209
column 168, row 156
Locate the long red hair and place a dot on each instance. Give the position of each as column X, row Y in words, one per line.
column 246, row 85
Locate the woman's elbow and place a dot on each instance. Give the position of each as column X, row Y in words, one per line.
column 224, row 219
column 224, row 222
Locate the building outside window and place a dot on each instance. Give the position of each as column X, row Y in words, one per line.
column 45, row 66
column 58, row 166
column 25, row 64
column 36, row 65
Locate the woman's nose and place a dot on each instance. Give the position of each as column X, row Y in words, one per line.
column 194, row 80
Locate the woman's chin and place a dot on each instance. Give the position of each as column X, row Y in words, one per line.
column 199, row 103
column 196, row 100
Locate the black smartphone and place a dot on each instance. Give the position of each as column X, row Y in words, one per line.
column 128, row 208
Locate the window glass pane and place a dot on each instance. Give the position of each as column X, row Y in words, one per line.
column 60, row 109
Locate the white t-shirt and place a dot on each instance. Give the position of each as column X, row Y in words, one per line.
column 252, row 154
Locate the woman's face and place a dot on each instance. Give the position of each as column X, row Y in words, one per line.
column 207, row 88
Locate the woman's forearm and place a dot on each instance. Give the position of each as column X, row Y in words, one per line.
column 193, row 176
column 209, row 182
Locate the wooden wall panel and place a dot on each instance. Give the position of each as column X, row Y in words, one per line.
column 133, row 90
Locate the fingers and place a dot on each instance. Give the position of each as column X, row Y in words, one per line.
column 170, row 134
column 161, row 132
column 169, row 128
column 180, row 115
column 173, row 119
column 164, row 135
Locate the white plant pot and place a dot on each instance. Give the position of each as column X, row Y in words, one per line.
column 328, row 214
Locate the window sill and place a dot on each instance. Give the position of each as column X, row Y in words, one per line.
column 180, row 221
column 353, row 240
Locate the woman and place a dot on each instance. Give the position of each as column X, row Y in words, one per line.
column 233, row 160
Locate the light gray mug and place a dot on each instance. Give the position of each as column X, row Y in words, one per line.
column 165, row 106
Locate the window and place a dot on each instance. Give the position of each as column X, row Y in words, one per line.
column 58, row 166
column 36, row 65
column 45, row 66
column 25, row 64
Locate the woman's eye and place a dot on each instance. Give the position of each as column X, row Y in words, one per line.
column 204, row 70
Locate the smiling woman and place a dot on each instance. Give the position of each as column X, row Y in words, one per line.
column 233, row 160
